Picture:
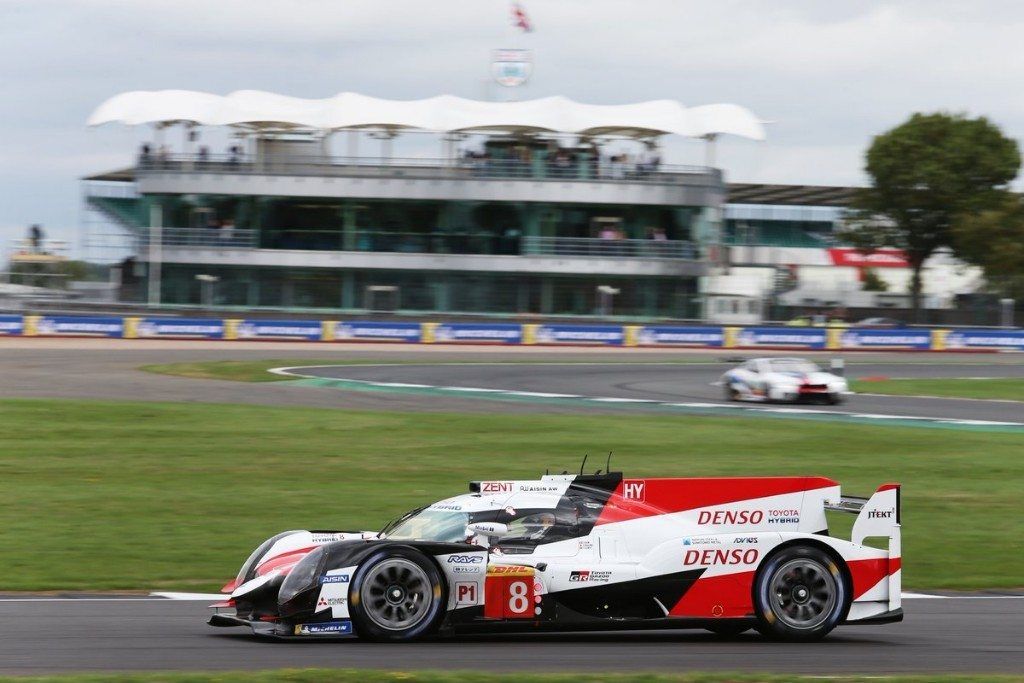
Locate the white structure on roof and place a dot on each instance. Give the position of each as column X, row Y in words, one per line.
column 445, row 113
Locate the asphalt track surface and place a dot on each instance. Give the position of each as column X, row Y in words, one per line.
column 950, row 635
column 673, row 382
column 976, row 634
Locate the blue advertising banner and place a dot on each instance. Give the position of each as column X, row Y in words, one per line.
column 680, row 336
column 181, row 328
column 374, row 331
column 985, row 339
column 612, row 335
column 11, row 325
column 794, row 337
column 480, row 333
column 309, row 330
column 886, row 339
column 79, row 325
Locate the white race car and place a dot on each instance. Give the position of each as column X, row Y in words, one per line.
column 783, row 379
column 586, row 552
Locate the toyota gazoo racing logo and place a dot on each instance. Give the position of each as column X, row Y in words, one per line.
column 579, row 576
column 466, row 559
column 711, row 557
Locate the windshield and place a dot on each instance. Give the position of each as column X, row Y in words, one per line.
column 801, row 366
column 429, row 525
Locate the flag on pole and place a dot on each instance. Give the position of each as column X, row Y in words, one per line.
column 519, row 18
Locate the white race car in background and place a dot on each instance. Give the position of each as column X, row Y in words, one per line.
column 783, row 379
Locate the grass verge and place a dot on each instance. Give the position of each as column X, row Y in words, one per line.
column 1007, row 388
column 259, row 370
column 115, row 495
column 239, row 370
column 370, row 676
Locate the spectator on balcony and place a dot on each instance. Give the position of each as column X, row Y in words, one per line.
column 204, row 154
column 35, row 238
column 145, row 155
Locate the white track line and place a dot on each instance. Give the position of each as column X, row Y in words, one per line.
column 611, row 399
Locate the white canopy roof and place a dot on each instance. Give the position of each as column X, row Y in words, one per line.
column 445, row 113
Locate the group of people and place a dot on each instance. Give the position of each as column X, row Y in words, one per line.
column 563, row 162
column 160, row 157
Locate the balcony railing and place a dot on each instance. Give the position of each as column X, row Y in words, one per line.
column 580, row 170
column 609, row 248
column 223, row 238
column 422, row 243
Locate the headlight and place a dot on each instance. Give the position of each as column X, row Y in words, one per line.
column 302, row 576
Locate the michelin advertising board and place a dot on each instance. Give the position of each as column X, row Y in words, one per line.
column 175, row 328
column 11, row 325
column 661, row 335
column 915, row 339
column 473, row 333
column 777, row 337
column 1000, row 340
column 302, row 330
column 607, row 335
column 377, row 331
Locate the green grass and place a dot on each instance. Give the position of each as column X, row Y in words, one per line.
column 370, row 676
column 239, row 370
column 105, row 495
column 1009, row 388
column 259, row 370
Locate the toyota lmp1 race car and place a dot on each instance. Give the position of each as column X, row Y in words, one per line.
column 783, row 379
column 588, row 552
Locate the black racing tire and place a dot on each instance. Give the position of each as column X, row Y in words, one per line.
column 835, row 399
column 729, row 628
column 396, row 595
column 800, row 594
column 731, row 394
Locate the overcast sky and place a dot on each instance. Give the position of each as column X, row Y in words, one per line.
column 827, row 75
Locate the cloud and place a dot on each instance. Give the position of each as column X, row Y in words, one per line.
column 828, row 75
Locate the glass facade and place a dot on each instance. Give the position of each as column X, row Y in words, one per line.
column 431, row 291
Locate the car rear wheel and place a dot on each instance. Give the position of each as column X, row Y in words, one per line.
column 835, row 399
column 397, row 595
column 800, row 594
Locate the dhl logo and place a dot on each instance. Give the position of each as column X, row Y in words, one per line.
column 497, row 570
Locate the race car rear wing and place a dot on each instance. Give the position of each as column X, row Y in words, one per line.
column 878, row 516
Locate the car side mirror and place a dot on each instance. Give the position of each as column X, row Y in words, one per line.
column 489, row 529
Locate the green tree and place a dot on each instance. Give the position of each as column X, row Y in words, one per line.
column 926, row 175
column 994, row 240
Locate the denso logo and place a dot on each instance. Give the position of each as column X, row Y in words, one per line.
column 466, row 559
column 726, row 557
column 880, row 514
column 496, row 487
column 634, row 490
column 730, row 517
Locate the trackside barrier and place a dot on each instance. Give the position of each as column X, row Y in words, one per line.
column 472, row 333
column 301, row 330
column 374, row 331
column 959, row 340
column 11, row 325
column 915, row 339
column 776, row 337
column 174, row 328
column 667, row 336
column 601, row 335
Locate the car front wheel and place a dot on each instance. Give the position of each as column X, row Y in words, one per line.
column 800, row 594
column 396, row 595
